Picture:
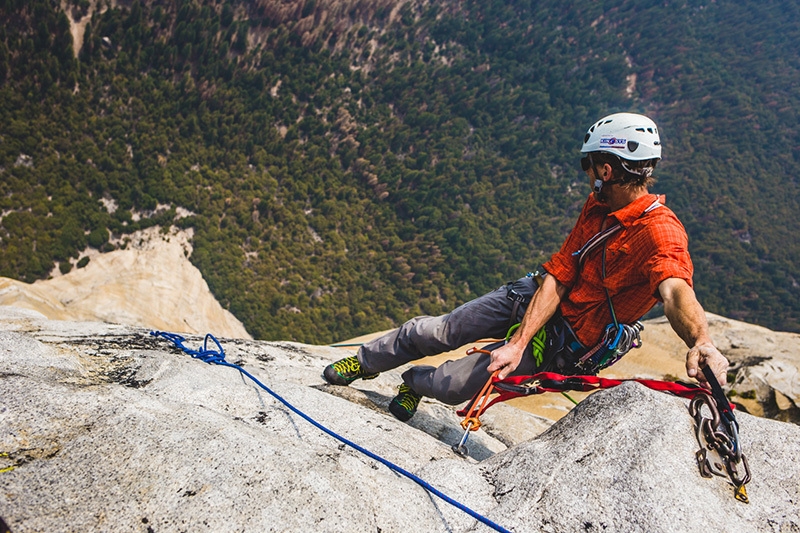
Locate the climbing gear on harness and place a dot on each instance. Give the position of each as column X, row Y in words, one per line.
column 475, row 408
column 345, row 371
column 718, row 435
column 212, row 356
column 554, row 348
column 404, row 405
column 538, row 343
column 554, row 341
column 618, row 340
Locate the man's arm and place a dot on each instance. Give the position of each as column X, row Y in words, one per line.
column 687, row 318
column 543, row 305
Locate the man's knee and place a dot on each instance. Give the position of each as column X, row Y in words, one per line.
column 428, row 334
column 457, row 381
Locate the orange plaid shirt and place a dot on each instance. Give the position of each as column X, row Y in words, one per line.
column 650, row 248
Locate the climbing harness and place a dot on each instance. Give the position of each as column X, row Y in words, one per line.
column 217, row 357
column 720, row 452
column 520, row 297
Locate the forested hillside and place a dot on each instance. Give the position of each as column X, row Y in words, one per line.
column 348, row 164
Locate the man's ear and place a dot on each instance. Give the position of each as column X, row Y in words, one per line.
column 607, row 172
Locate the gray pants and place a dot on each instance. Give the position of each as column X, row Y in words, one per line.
column 453, row 382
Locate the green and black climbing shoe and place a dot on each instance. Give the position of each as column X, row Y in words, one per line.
column 345, row 371
column 404, row 405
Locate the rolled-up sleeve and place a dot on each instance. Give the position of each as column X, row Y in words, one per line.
column 670, row 255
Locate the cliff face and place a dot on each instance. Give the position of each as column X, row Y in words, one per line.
column 150, row 283
column 106, row 428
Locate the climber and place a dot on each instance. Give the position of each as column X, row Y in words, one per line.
column 626, row 252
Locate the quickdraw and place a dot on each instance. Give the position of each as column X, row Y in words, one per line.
column 475, row 409
column 720, row 452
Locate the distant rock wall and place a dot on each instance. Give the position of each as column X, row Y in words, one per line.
column 151, row 283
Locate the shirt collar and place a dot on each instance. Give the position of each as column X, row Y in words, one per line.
column 628, row 214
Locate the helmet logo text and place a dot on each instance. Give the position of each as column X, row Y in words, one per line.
column 613, row 142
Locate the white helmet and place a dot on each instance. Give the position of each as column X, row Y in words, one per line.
column 628, row 136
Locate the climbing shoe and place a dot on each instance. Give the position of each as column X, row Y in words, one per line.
column 404, row 405
column 345, row 371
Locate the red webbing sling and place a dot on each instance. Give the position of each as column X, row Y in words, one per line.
column 518, row 386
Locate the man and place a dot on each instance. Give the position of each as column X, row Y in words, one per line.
column 626, row 252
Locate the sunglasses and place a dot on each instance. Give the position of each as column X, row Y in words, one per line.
column 587, row 162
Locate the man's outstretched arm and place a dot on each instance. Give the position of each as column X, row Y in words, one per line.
column 687, row 318
column 543, row 305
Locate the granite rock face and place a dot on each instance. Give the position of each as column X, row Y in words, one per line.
column 623, row 461
column 106, row 428
column 151, row 283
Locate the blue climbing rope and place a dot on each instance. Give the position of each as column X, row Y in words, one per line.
column 217, row 357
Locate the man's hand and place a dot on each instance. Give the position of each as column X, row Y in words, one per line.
column 706, row 355
column 505, row 359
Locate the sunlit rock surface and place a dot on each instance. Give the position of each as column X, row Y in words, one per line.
column 106, row 428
